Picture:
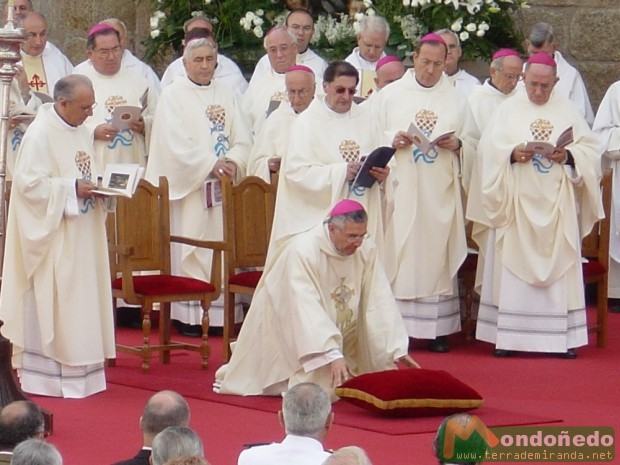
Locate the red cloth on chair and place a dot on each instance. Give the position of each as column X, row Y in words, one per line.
column 247, row 279
column 162, row 284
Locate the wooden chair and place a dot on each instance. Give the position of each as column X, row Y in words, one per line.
column 139, row 245
column 248, row 217
column 467, row 277
column 595, row 248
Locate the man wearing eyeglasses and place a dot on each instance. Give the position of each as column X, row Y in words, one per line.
column 116, row 141
column 505, row 71
column 266, row 90
column 271, row 144
column 329, row 298
column 301, row 24
column 327, row 143
column 425, row 238
column 56, row 301
column 541, row 205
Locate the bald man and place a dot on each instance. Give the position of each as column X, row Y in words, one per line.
column 271, row 143
column 43, row 63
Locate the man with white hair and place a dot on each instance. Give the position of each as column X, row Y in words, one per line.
column 349, row 455
column 570, row 83
column 199, row 136
column 372, row 37
column 271, row 143
column 461, row 79
column 268, row 89
column 175, row 441
column 36, row 452
column 306, row 416
column 227, row 71
column 541, row 205
column 43, row 63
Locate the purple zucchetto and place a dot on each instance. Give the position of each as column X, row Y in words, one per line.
column 542, row 59
column 345, row 206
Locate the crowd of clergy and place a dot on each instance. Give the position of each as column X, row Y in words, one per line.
column 517, row 157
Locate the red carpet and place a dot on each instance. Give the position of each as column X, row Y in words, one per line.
column 104, row 428
column 199, row 387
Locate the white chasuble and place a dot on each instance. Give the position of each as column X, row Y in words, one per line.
column 56, row 269
column 267, row 87
column 124, row 88
column 318, row 303
column 541, row 210
column 194, row 127
column 313, row 176
column 425, row 240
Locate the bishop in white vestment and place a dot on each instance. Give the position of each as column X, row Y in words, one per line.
column 322, row 313
column 199, row 135
column 541, row 206
column 56, row 300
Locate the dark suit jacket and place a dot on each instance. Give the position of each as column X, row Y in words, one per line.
column 141, row 458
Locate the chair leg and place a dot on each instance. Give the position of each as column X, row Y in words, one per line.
column 205, row 350
column 229, row 324
column 601, row 314
column 145, row 350
column 164, row 333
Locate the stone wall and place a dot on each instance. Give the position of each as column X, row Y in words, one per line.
column 586, row 30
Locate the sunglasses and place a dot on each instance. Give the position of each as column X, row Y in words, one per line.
column 342, row 90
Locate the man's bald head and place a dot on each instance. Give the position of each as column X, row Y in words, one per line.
column 389, row 73
column 35, row 27
column 163, row 409
column 20, row 420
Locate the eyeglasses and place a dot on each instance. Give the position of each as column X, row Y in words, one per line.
column 511, row 76
column 105, row 52
column 342, row 90
column 85, row 108
column 299, row 93
column 351, row 238
column 536, row 85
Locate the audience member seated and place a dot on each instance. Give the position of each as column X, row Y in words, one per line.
column 36, row 452
column 187, row 460
column 163, row 409
column 306, row 417
column 19, row 420
column 173, row 442
column 349, row 455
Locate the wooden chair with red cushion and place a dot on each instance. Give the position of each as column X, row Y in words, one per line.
column 139, row 245
column 248, row 217
column 595, row 248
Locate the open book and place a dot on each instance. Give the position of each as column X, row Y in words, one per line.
column 379, row 157
column 124, row 115
column 422, row 141
column 120, row 179
column 546, row 149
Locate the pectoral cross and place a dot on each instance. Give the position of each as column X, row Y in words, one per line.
column 36, row 83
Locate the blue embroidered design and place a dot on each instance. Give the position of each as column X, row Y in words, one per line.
column 428, row 158
column 16, row 140
column 123, row 137
column 222, row 145
column 358, row 191
column 542, row 164
column 87, row 204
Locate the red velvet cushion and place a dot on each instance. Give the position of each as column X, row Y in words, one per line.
column 247, row 278
column 593, row 269
column 162, row 284
column 410, row 392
